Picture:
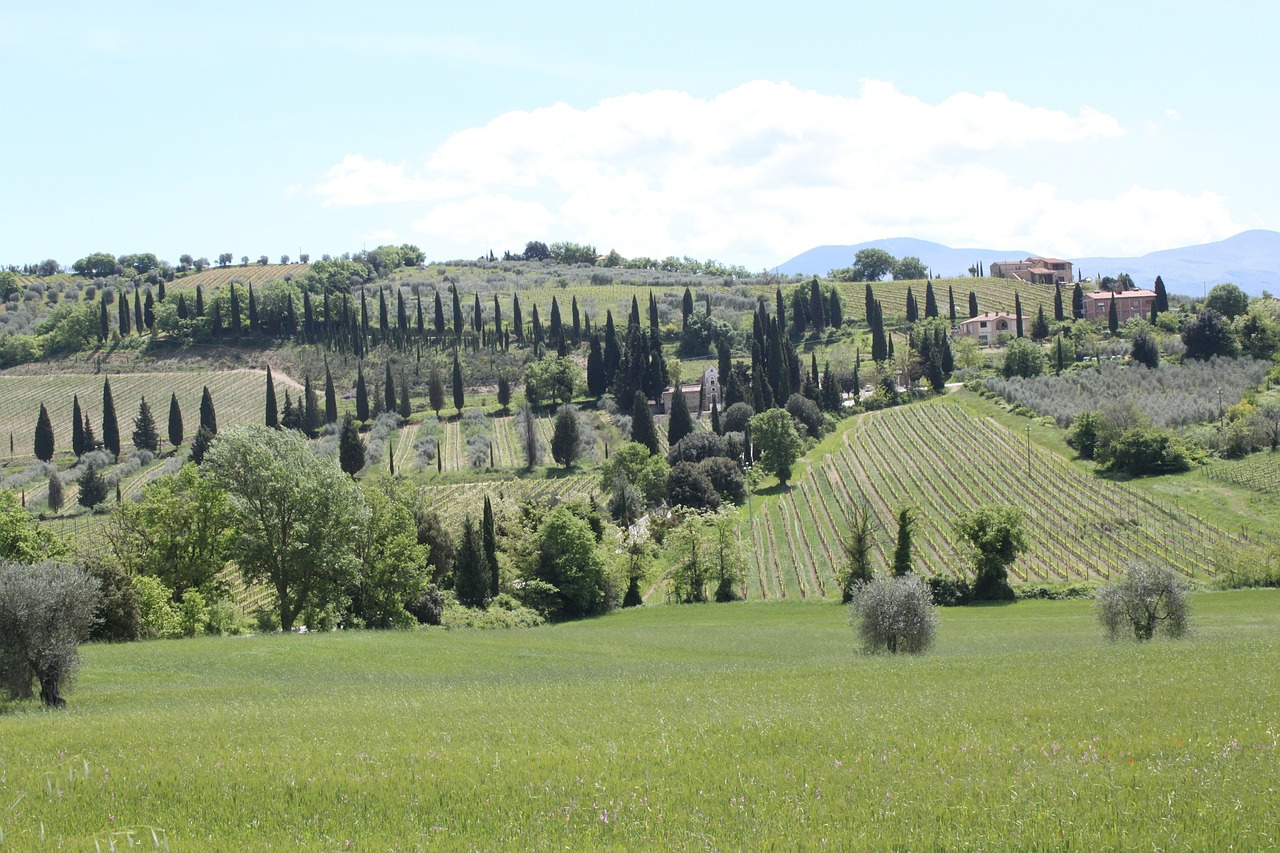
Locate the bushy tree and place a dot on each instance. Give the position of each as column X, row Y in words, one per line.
column 894, row 614
column 646, row 472
column 695, row 447
column 689, row 486
column 1023, row 358
column 297, row 517
column 394, row 570
column 46, row 611
column 1208, row 335
column 351, row 457
column 470, row 580
column 551, row 379
column 775, row 434
column 1144, row 451
column 93, row 489
column 530, row 441
column 1146, row 349
column 565, row 437
column 1228, row 300
column 736, row 418
column 726, row 478
column 145, row 435
column 567, row 558
column 806, row 413
column 997, row 536
column 1146, row 599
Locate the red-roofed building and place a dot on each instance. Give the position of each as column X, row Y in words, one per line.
column 988, row 326
column 1034, row 270
column 1129, row 304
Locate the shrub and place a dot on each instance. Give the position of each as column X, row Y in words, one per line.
column 949, row 591
column 736, row 418
column 688, row 485
column 1144, row 451
column 894, row 614
column 156, row 614
column 695, row 447
column 1144, row 600
column 725, row 477
column 806, row 413
column 46, row 610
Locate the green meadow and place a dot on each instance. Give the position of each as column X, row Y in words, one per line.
column 754, row 725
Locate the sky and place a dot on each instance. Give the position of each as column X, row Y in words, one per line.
column 745, row 132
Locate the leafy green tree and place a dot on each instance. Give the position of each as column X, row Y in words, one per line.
column 1145, row 451
column 203, row 439
column 470, row 584
column 551, row 379
column 22, row 539
column 567, row 558
column 110, row 424
column 180, row 531
column 643, row 429
column 997, row 535
column 297, row 515
column 1023, row 358
column 872, row 264
column 44, row 435
column 644, row 471
column 1228, row 300
column 1208, row 335
column 350, row 448
column 46, row 610
column 394, row 567
column 774, row 433
column 145, row 435
column 902, row 552
column 911, row 268
column 689, row 486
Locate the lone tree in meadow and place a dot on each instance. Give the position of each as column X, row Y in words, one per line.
column 997, row 536
column 145, row 435
column 1146, row 599
column 110, row 424
column 44, row 435
column 175, row 421
column 46, row 610
column 894, row 614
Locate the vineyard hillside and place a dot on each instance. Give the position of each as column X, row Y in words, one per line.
column 940, row 461
column 238, row 397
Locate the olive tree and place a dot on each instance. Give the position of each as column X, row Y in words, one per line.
column 46, row 611
column 298, row 517
column 894, row 614
column 1144, row 600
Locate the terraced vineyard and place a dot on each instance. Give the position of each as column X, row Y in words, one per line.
column 1259, row 472
column 238, row 398
column 215, row 277
column 937, row 458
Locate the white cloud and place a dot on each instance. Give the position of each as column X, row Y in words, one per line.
column 766, row 170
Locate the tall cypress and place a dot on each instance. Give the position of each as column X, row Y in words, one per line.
column 458, row 398
column 1077, row 302
column 330, row 396
column 208, row 417
column 643, row 429
column 577, row 323
column 930, row 301
column 175, row 421
column 145, row 436
column 913, row 311
column 471, row 584
column 77, row 427
column 680, row 423
column 104, row 322
column 402, row 399
column 272, row 418
column 477, row 314
column 517, row 318
column 596, row 384
column 122, row 314
column 489, row 543
column 439, row 317
column 555, row 330
column 254, row 323
column 1017, row 312
column 902, row 553
column 715, row 417
column 951, row 304
column 686, row 308
column 435, row 390
column 110, row 425
column 384, row 322
column 235, row 310
column 497, row 318
column 612, row 352
column 362, row 395
column 1058, row 314
column 44, row 435
column 389, row 389
column 835, row 311
column 350, row 448
column 199, row 301
column 138, row 325
column 817, row 308
column 973, row 304
column 311, row 409
column 149, row 309
column 1162, row 297
column 1113, row 316
column 457, row 311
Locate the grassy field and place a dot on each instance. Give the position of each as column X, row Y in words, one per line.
column 238, row 398
column 724, row 726
column 941, row 460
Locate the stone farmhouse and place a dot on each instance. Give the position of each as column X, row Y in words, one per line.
column 986, row 327
column 1129, row 303
column 698, row 396
column 1034, row 270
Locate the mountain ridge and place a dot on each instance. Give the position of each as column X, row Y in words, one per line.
column 1250, row 259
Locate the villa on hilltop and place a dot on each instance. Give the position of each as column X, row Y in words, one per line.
column 1034, row 270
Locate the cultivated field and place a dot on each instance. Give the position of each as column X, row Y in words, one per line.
column 215, row 277
column 1259, row 472
column 238, row 398
column 745, row 726
column 941, row 460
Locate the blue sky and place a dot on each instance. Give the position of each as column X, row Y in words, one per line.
column 746, row 132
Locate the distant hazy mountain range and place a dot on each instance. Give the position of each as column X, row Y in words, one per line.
column 1250, row 259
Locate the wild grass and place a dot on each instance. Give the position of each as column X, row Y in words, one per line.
column 724, row 726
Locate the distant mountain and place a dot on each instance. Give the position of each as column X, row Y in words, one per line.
column 940, row 259
column 1250, row 259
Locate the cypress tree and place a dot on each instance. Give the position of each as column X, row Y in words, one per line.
column 577, row 322
column 457, row 312
column 902, row 553
column 1060, row 355
column 471, row 584
column 122, row 314
column 653, row 317
column 175, row 421
column 254, row 323
column 477, row 314
column 1040, row 326
column 137, row 311
column 973, row 304
column 951, row 305
column 208, row 417
column 405, row 408
column 680, row 423
column 104, row 321
column 362, row 395
column 199, row 301
column 435, row 390
column 1077, row 302
column 235, row 310
column 835, row 311
column 389, row 389
column 612, row 352
column 1113, row 316
column 149, row 310
column 44, row 435
column 55, row 492
column 564, row 437
column 655, row 376
column 913, row 311
column 384, row 323
column 330, row 396
column 643, row 430
column 183, row 312
column 458, row 397
column 489, row 543
column 110, row 425
column 517, row 318
column 215, row 323
column 310, row 409
column 595, row 368
column 90, row 440
column 439, row 317
column 779, row 379
column 879, row 341
column 538, row 337
column 556, row 329
column 504, row 393
column 832, row 401
column 93, row 489
column 272, row 418
column 145, row 435
column 497, row 318
column 817, row 308
column 1017, row 312
column 930, row 301
column 715, row 418
column 1058, row 314
column 686, row 308
column 422, row 326
column 77, row 427
column 350, row 448
column 291, row 418
column 402, row 317
column 1162, row 297
column 160, row 294
column 200, row 444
